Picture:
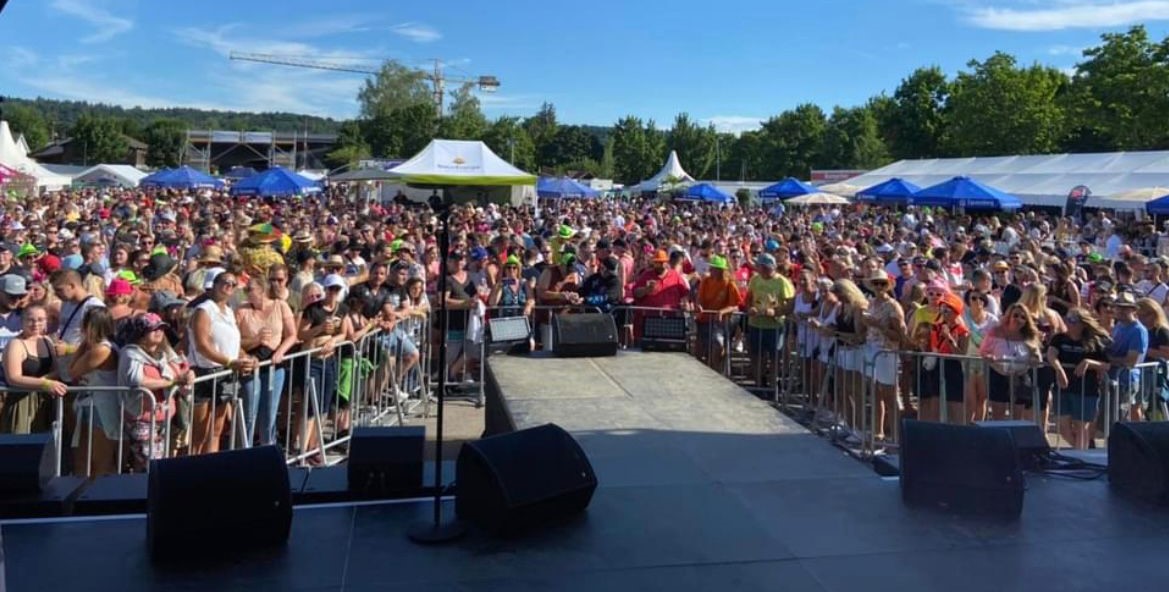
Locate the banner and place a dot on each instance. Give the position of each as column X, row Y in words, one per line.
column 1074, row 207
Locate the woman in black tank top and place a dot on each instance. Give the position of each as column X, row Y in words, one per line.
column 28, row 370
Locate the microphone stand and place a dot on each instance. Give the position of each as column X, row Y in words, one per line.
column 437, row 531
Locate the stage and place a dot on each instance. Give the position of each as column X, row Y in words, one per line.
column 702, row 487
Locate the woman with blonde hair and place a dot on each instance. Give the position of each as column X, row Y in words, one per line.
column 849, row 331
column 1079, row 359
column 1049, row 323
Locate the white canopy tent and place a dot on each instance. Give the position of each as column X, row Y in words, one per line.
column 1041, row 180
column 460, row 163
column 122, row 175
column 12, row 156
column 672, row 171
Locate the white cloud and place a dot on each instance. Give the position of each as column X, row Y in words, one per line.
column 417, row 32
column 1054, row 15
column 108, row 25
column 734, row 124
column 1065, row 50
column 505, row 102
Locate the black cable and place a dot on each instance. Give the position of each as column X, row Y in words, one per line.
column 1058, row 466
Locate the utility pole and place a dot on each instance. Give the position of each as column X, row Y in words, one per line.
column 439, row 86
column 718, row 158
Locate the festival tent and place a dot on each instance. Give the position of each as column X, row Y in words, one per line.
column 842, row 189
column 312, row 174
column 672, row 173
column 893, row 191
column 366, row 174
column 460, row 163
column 121, row 175
column 563, row 188
column 708, row 193
column 275, row 182
column 817, row 199
column 1159, row 206
column 15, row 157
column 183, row 177
column 789, row 187
column 239, row 173
column 964, row 192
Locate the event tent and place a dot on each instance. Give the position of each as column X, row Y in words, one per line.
column 842, row 189
column 789, row 187
column 366, row 174
column 964, row 192
column 1040, row 180
column 671, row 173
column 1159, row 206
column 15, row 157
column 817, row 199
column 708, row 193
column 275, row 182
column 183, row 177
column 122, row 175
column 563, row 188
column 460, row 163
column 893, row 191
column 239, row 172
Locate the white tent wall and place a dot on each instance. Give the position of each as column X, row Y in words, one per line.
column 672, row 169
column 1040, row 180
column 12, row 156
column 122, row 174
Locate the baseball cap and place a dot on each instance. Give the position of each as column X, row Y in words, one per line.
column 209, row 277
column 334, row 281
column 13, row 285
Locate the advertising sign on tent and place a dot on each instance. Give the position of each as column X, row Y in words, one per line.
column 1074, row 208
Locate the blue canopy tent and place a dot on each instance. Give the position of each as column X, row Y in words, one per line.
column 183, row 177
column 563, row 188
column 275, row 182
column 964, row 192
column 1158, row 207
column 789, row 187
column 240, row 172
column 708, row 193
column 892, row 192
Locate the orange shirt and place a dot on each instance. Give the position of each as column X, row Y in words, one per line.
column 716, row 295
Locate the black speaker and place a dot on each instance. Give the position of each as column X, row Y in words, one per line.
column 386, row 461
column 590, row 335
column 212, row 503
column 966, row 469
column 27, row 462
column 1031, row 444
column 510, row 483
column 1138, row 460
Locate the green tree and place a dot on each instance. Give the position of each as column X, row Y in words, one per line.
column 1119, row 96
column 509, row 139
column 98, row 140
column 998, row 108
column 351, row 146
column 166, row 139
column 394, row 87
column 28, row 120
column 542, row 128
column 852, row 140
column 402, row 132
column 913, row 122
column 792, row 143
column 695, row 145
column 464, row 119
column 629, row 151
column 571, row 144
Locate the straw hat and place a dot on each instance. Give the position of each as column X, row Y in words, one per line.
column 212, row 254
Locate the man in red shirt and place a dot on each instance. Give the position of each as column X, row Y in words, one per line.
column 661, row 287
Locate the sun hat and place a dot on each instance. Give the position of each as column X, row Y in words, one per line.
column 718, row 262
column 565, row 231
column 160, row 265
column 661, row 257
column 119, row 287
column 513, row 260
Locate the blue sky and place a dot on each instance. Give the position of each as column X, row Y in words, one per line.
column 732, row 62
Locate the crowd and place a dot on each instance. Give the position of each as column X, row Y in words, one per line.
column 148, row 314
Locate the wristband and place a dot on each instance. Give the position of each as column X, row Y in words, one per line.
column 46, row 384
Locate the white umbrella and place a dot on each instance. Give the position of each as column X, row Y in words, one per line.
column 842, row 189
column 817, row 199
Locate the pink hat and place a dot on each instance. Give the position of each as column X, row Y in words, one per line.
column 938, row 285
column 119, row 287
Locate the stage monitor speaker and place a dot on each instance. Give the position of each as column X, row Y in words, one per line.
column 27, row 463
column 1138, row 460
column 966, row 469
column 386, row 461
column 1031, row 444
column 216, row 503
column 510, row 483
column 586, row 335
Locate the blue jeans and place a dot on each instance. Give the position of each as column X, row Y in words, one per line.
column 261, row 396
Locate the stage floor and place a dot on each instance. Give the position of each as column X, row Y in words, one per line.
column 764, row 506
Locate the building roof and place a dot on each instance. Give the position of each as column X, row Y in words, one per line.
column 58, row 147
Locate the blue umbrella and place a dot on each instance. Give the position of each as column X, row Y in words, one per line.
column 893, row 191
column 558, row 188
column 967, row 193
column 789, row 187
column 708, row 193
column 183, row 177
column 275, row 182
column 1158, row 207
column 156, row 178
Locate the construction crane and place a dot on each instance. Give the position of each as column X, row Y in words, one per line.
column 436, row 77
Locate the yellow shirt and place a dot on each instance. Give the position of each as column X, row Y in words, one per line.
column 769, row 293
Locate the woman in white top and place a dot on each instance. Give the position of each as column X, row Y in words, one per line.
column 215, row 347
column 979, row 320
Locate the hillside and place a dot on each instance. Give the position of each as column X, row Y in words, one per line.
column 62, row 114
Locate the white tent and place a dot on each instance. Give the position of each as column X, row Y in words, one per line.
column 12, row 156
column 460, row 163
column 1041, row 180
column 22, row 144
column 672, row 171
column 122, row 175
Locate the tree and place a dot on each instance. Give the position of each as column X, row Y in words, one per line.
column 542, row 128
column 464, row 119
column 792, row 143
column 913, row 122
column 998, row 108
column 99, row 140
column 1119, row 96
column 629, row 151
column 394, row 87
column 570, row 144
column 509, row 139
column 694, row 144
column 29, row 121
column 852, row 140
column 402, row 132
column 351, row 146
column 166, row 139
